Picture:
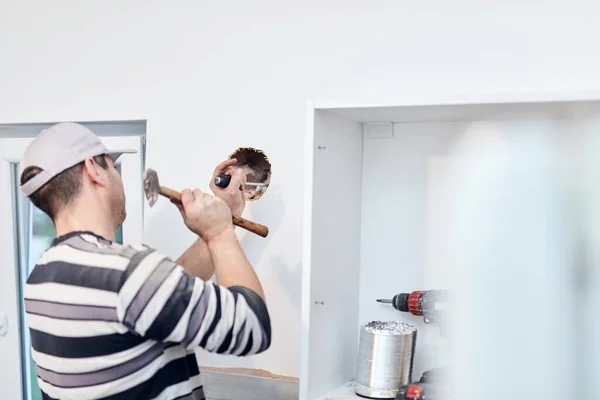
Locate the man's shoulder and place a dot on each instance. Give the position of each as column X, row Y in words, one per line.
column 87, row 261
column 89, row 246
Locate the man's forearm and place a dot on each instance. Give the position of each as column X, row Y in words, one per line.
column 231, row 265
column 197, row 261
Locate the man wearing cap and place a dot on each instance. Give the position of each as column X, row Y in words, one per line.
column 110, row 321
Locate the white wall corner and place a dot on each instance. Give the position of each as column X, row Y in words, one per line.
column 379, row 130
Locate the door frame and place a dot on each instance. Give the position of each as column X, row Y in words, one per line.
column 11, row 149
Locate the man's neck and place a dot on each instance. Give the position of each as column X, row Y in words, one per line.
column 72, row 222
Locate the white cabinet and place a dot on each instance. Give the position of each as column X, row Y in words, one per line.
column 480, row 198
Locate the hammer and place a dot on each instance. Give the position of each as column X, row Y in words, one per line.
column 152, row 189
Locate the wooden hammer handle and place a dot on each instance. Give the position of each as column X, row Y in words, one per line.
column 171, row 194
column 260, row 230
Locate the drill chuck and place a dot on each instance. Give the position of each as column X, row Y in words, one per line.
column 406, row 302
column 423, row 303
column 400, row 302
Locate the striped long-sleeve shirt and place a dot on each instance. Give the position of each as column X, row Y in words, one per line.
column 109, row 321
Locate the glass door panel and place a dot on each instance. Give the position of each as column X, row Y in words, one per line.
column 35, row 233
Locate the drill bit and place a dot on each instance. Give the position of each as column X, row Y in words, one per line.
column 387, row 301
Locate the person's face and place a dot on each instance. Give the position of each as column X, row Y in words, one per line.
column 116, row 194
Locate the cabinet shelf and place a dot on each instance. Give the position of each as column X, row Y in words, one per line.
column 378, row 221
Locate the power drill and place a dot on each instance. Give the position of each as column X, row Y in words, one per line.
column 433, row 385
column 431, row 305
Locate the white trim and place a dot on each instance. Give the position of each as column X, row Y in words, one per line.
column 99, row 116
column 10, row 344
column 307, row 249
column 108, row 129
column 493, row 98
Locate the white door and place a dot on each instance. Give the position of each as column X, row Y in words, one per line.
column 25, row 232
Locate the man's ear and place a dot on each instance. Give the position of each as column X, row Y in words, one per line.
column 91, row 170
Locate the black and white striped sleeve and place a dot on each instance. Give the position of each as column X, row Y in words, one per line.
column 160, row 301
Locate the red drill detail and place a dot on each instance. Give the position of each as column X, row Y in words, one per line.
column 413, row 392
column 413, row 302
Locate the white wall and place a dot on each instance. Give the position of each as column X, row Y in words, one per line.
column 215, row 75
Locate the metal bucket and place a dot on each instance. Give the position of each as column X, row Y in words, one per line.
column 385, row 358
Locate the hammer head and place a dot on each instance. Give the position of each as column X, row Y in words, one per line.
column 151, row 186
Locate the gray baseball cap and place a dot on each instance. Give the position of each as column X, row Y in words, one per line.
column 60, row 147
